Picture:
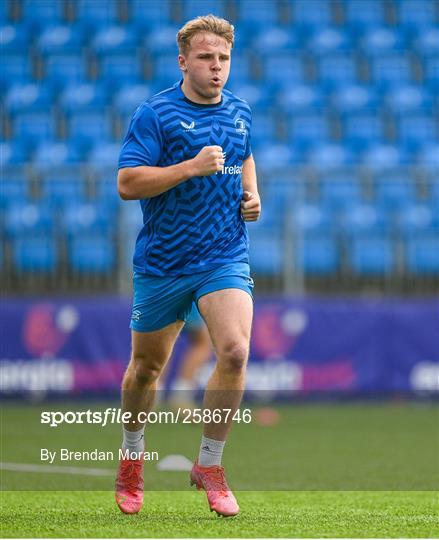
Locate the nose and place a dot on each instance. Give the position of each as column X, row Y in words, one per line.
column 216, row 66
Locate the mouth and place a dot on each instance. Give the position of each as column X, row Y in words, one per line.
column 216, row 80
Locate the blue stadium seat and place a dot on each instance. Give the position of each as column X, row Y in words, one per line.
column 265, row 252
column 422, row 253
column 319, row 254
column 150, row 13
column 36, row 253
column 416, row 130
column 88, row 126
column 391, row 70
column 12, row 153
column 106, row 191
column 407, row 99
column 258, row 95
column 14, row 38
column 426, row 42
column 86, row 218
column 28, row 97
column 415, row 219
column 61, row 190
column 93, row 253
column 117, row 69
column 104, row 155
column 96, row 13
column 381, row 157
column 129, row 97
column 166, row 70
column 39, row 13
column 241, row 71
column 329, row 40
column 16, row 68
column 121, row 38
column 308, row 15
column 364, row 219
column 337, row 70
column 265, row 14
column 428, row 157
column 53, row 154
column 340, row 192
column 61, row 39
column 161, row 39
column 4, row 12
column 327, row 156
column 360, row 14
column 284, row 69
column 62, row 69
column 274, row 39
column 351, row 98
column 431, row 73
column 282, row 194
column 312, row 218
column 13, row 191
column 308, row 129
column 264, row 128
column 193, row 8
column 362, row 130
column 83, row 96
column 395, row 193
column 300, row 98
column 274, row 155
column 381, row 41
column 34, row 127
column 28, row 218
column 416, row 14
column 371, row 255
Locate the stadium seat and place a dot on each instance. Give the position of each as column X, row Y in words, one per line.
column 83, row 96
column 361, row 14
column 121, row 38
column 395, row 193
column 97, row 13
column 416, row 14
column 371, row 255
column 36, row 253
column 431, row 73
column 93, row 253
column 426, row 42
column 312, row 218
column 161, row 39
column 14, row 38
column 328, row 40
column 337, row 70
column 428, row 157
column 39, row 13
column 104, row 155
column 327, row 156
column 35, row 126
column 193, row 8
column 166, row 71
column 308, row 15
column 28, row 97
column 251, row 18
column 308, row 129
column 16, row 68
column 258, row 95
column 62, row 69
column 416, row 130
column 106, row 191
column 319, row 254
column 422, row 253
column 284, row 69
column 408, row 99
column 300, row 98
column 118, row 69
column 12, row 153
column 364, row 219
column 381, row 41
column 381, row 157
column 61, row 39
column 28, row 218
column 13, row 191
column 129, row 97
column 362, row 130
column 89, row 126
column 266, row 253
column 150, row 13
column 264, row 128
column 241, row 71
column 271, row 155
column 51, row 154
column 274, row 39
column 61, row 190
column 340, row 192
column 86, row 218
column 391, row 70
column 415, row 219
column 351, row 98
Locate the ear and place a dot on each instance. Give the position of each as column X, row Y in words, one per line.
column 182, row 62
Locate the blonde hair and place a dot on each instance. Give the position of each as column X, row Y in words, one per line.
column 206, row 23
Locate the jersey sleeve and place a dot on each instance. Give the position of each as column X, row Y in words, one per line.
column 248, row 144
column 143, row 141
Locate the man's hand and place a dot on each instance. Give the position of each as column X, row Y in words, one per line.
column 250, row 206
column 209, row 160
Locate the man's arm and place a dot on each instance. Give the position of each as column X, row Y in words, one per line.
column 251, row 202
column 144, row 182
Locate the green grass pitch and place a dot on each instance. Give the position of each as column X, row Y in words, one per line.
column 339, row 470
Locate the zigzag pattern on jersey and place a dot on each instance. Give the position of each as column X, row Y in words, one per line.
column 198, row 221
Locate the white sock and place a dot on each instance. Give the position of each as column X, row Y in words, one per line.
column 211, row 452
column 133, row 441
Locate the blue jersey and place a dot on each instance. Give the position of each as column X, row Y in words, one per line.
column 197, row 225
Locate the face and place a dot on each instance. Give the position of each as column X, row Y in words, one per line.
column 206, row 67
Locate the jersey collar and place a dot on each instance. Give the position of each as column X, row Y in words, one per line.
column 199, row 105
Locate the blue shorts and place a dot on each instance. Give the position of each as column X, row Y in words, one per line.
column 194, row 320
column 159, row 301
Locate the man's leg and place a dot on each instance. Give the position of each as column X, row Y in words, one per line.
column 228, row 314
column 150, row 352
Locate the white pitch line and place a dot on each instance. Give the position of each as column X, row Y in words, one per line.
column 56, row 469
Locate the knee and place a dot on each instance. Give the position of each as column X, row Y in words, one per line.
column 233, row 358
column 145, row 374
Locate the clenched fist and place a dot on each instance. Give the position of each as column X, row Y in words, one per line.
column 209, row 160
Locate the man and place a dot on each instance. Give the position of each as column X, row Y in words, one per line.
column 187, row 157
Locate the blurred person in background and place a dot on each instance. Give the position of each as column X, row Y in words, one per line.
column 187, row 157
